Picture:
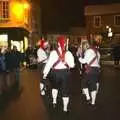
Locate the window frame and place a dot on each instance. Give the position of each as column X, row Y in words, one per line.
column 115, row 20
column 5, row 15
column 94, row 21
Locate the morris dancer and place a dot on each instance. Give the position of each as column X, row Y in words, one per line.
column 60, row 61
column 92, row 71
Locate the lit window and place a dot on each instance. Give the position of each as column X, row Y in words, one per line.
column 97, row 21
column 4, row 10
column 17, row 44
column 3, row 40
column 117, row 20
column 117, row 37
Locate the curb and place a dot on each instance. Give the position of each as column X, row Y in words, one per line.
column 107, row 62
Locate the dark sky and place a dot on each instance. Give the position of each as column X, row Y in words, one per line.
column 59, row 15
column 101, row 1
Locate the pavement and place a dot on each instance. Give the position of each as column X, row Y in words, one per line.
column 107, row 62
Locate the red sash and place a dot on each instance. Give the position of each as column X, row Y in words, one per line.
column 60, row 59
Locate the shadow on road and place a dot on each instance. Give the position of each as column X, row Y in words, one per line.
column 8, row 96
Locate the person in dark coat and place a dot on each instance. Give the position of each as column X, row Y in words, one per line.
column 2, row 72
column 13, row 60
column 116, row 54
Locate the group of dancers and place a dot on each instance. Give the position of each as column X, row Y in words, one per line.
column 56, row 66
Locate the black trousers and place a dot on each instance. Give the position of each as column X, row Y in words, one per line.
column 91, row 78
column 60, row 79
column 41, row 68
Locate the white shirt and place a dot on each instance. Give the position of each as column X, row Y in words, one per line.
column 69, row 59
column 42, row 56
column 88, row 57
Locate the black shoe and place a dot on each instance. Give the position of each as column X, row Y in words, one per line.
column 93, row 107
column 66, row 115
column 54, row 105
column 66, row 112
column 88, row 102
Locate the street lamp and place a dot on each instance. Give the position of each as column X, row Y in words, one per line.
column 107, row 27
column 19, row 10
column 110, row 33
column 26, row 5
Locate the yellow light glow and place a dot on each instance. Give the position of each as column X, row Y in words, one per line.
column 26, row 42
column 18, row 10
column 26, row 5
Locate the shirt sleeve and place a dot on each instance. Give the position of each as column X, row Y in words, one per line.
column 41, row 55
column 51, row 60
column 89, row 55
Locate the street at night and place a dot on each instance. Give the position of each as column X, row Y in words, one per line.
column 28, row 104
column 42, row 42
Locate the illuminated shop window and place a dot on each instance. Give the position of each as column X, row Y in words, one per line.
column 26, row 42
column 3, row 40
column 4, row 11
column 17, row 44
column 21, row 46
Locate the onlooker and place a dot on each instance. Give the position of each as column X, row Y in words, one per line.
column 2, row 72
column 116, row 53
column 9, row 75
column 15, row 57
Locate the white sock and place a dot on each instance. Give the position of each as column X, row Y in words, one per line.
column 86, row 92
column 97, row 84
column 65, row 103
column 54, row 95
column 83, row 92
column 42, row 92
column 93, row 96
column 41, row 86
column 41, row 89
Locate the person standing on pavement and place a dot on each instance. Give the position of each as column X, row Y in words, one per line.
column 2, row 72
column 28, row 54
column 16, row 59
column 116, row 53
column 91, row 74
column 42, row 57
column 59, row 63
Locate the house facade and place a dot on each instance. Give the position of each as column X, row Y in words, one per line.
column 15, row 23
column 104, row 20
